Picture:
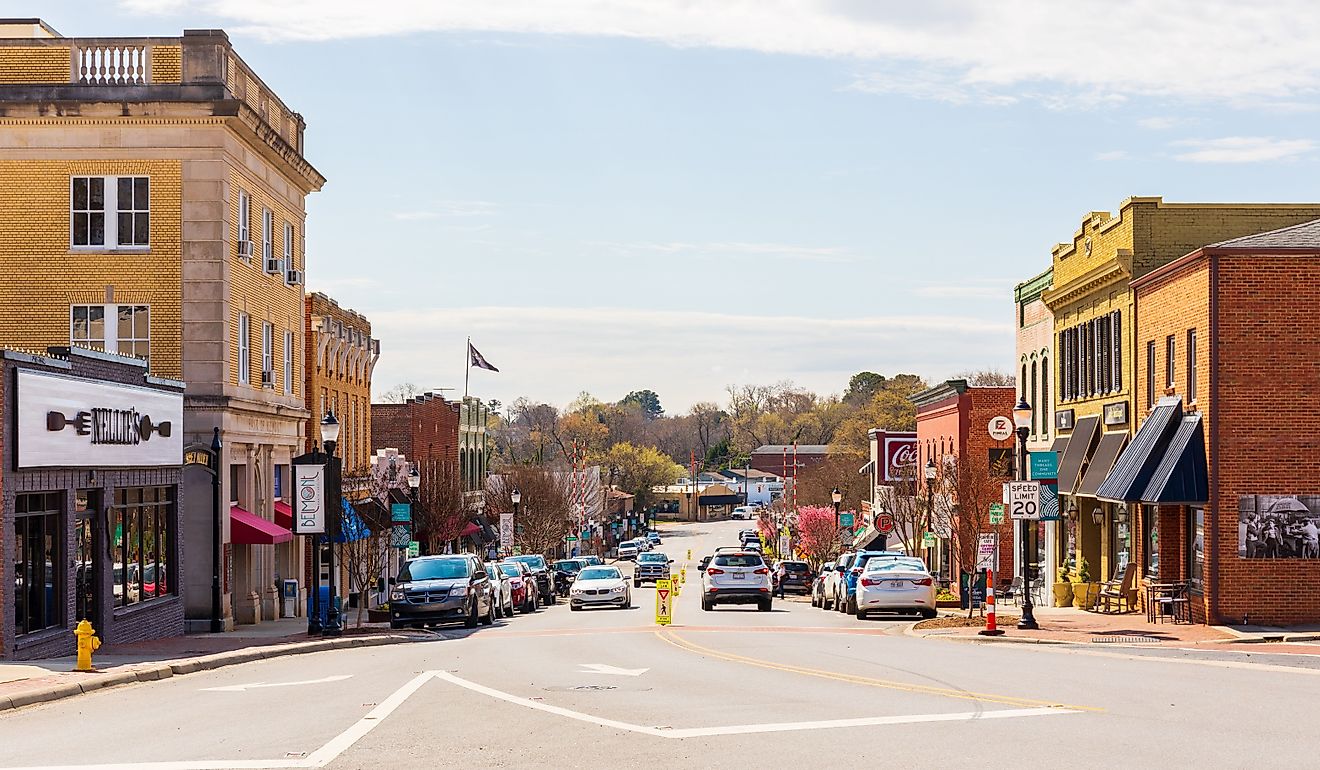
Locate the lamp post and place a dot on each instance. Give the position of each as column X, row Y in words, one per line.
column 217, row 620
column 516, row 497
column 930, row 503
column 837, row 497
column 334, row 499
column 1022, row 419
column 414, row 496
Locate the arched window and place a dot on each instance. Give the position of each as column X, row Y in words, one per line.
column 1022, row 383
column 1045, row 395
column 1035, row 403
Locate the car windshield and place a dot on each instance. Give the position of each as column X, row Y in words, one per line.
column 600, row 573
column 654, row 557
column 880, row 565
column 567, row 566
column 739, row 560
column 796, row 566
column 535, row 562
column 434, row 569
column 510, row 570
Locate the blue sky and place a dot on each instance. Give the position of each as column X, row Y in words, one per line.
column 659, row 194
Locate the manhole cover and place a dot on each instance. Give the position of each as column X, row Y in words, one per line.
column 1124, row 640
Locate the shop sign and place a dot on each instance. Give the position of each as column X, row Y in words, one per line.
column 400, row 513
column 884, row 523
column 987, row 551
column 1000, row 428
column 68, row 422
column 506, row 530
column 400, row 535
column 309, row 499
column 900, row 457
column 1116, row 413
column 1063, row 419
column 1044, row 465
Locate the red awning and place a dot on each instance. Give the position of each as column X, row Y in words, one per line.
column 469, row 530
column 284, row 514
column 248, row 529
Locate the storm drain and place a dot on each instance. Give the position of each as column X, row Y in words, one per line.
column 1124, row 640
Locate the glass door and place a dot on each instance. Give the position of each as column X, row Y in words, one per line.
column 86, row 604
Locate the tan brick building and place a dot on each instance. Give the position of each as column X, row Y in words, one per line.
column 340, row 356
column 1222, row 477
column 152, row 204
column 1096, row 350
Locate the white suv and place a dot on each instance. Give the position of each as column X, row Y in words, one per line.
column 738, row 577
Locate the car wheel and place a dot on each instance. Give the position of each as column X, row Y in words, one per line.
column 852, row 605
column 637, row 584
column 814, row 601
column 707, row 604
column 394, row 624
column 471, row 620
column 490, row 614
column 929, row 613
column 627, row 603
column 861, row 613
column 764, row 606
column 824, row 602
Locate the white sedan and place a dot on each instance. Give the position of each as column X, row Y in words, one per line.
column 896, row 585
column 596, row 586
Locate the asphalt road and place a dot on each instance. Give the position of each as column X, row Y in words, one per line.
column 734, row 687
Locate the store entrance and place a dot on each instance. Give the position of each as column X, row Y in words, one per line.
column 86, row 597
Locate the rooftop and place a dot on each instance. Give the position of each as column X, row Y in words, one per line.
column 802, row 449
column 1303, row 236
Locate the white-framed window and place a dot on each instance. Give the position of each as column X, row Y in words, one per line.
column 267, row 234
column 244, row 349
column 123, row 329
column 110, row 212
column 267, row 354
column 288, row 363
column 288, row 245
column 245, row 219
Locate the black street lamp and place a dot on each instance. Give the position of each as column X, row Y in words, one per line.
column 1022, row 419
column 516, row 497
column 837, row 497
column 334, row 500
column 217, row 619
column 930, row 503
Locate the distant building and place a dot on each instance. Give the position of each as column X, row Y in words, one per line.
column 781, row 459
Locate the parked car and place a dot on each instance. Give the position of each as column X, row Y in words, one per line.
column 438, row 589
column 500, row 589
column 628, row 550
column 592, row 561
column 650, row 568
column 736, row 578
column 752, row 545
column 895, row 585
column 833, row 578
column 846, row 585
column 818, row 584
column 545, row 579
column 797, row 576
column 565, row 572
column 522, row 586
column 600, row 586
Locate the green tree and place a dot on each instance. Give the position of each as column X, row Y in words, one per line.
column 862, row 386
column 889, row 408
column 647, row 400
column 636, row 469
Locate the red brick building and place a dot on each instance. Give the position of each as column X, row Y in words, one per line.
column 952, row 437
column 1222, row 479
column 423, row 428
column 779, row 459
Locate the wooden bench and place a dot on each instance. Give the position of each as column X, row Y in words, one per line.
column 1119, row 592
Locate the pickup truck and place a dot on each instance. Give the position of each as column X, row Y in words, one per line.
column 650, row 568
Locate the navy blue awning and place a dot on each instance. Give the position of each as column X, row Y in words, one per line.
column 1132, row 474
column 1181, row 477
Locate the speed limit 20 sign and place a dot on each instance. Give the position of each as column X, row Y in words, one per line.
column 1024, row 500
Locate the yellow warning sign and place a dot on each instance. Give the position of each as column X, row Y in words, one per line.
column 664, row 602
column 689, row 554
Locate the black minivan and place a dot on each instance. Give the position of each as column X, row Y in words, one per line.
column 441, row 589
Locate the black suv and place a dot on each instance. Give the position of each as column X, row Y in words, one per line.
column 545, row 580
column 439, row 589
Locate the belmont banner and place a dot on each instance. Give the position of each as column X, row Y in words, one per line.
column 309, row 499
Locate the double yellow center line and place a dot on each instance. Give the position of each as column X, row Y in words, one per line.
column 674, row 639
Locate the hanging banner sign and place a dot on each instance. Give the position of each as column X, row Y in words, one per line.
column 506, row 530
column 400, row 513
column 309, row 499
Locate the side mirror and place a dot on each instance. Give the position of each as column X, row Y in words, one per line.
column 479, row 574
column 671, row 561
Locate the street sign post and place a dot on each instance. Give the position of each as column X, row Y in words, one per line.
column 996, row 513
column 845, row 519
column 987, row 551
column 884, row 523
column 928, row 540
column 1024, row 500
column 414, row 549
column 664, row 610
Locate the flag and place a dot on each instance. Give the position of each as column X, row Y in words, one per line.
column 479, row 360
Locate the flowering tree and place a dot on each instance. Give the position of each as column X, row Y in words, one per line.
column 817, row 534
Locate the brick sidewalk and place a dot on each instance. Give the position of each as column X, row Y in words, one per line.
column 1080, row 627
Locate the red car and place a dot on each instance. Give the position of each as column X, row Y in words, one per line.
column 525, row 596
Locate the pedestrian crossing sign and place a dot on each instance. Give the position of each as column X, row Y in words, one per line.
column 664, row 601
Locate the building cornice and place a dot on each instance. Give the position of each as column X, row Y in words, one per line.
column 1111, row 272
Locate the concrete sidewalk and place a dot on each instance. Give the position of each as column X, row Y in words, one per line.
column 38, row 681
column 1067, row 625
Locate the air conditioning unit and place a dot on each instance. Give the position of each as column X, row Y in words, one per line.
column 267, row 379
column 245, row 249
column 274, row 265
column 293, row 277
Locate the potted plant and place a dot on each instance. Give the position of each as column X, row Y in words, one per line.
column 1085, row 592
column 379, row 614
column 1063, row 589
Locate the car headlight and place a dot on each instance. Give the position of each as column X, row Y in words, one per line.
column 458, row 591
column 396, row 595
column 616, row 590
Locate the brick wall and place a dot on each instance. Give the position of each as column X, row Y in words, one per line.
column 341, row 374
column 985, row 403
column 423, row 428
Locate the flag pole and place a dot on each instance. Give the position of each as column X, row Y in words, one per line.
column 467, row 371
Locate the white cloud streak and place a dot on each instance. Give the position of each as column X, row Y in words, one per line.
column 1242, row 149
column 1214, row 50
column 737, row 250
column 1112, row 155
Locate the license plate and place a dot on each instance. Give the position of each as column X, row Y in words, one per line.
column 896, row 584
column 739, row 576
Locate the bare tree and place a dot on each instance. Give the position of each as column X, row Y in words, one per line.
column 899, row 498
column 440, row 514
column 970, row 485
column 366, row 554
column 400, row 393
column 986, row 378
column 544, row 515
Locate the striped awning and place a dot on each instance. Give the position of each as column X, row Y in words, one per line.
column 1135, row 467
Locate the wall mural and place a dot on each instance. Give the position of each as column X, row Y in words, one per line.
column 1279, row 526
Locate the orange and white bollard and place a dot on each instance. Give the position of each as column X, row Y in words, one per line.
column 990, row 628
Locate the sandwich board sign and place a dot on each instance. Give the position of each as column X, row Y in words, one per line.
column 664, row 601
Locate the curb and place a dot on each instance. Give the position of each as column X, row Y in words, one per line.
column 911, row 630
column 164, row 670
column 1268, row 639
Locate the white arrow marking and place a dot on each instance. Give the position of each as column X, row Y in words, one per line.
column 601, row 668
column 255, row 685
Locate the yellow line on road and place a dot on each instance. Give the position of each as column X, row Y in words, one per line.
column 1007, row 700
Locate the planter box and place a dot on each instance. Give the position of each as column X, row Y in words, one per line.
column 1063, row 594
column 378, row 616
column 1085, row 595
column 946, row 603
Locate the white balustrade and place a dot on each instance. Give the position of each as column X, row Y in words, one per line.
column 113, row 64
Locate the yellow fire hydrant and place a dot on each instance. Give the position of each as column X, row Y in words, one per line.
column 88, row 643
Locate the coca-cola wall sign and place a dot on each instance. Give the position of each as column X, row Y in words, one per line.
column 900, row 457
column 68, row 422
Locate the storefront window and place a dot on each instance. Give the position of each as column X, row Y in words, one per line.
column 1196, row 548
column 1151, row 529
column 39, row 545
column 141, row 541
column 1121, row 537
column 84, row 595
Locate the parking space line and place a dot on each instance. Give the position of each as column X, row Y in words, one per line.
column 1007, row 700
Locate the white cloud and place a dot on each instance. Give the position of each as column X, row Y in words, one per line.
column 1219, row 50
column 1242, row 149
column 1159, row 123
column 733, row 250
column 549, row 353
column 972, row 289
column 446, row 210
column 1112, row 155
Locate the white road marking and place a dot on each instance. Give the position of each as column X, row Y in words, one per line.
column 697, row 732
column 341, row 743
column 256, row 685
column 601, row 668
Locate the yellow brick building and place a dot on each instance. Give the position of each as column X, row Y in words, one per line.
column 340, row 356
column 1095, row 353
column 152, row 198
